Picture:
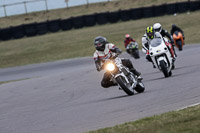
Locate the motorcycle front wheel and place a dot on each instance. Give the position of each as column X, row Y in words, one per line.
column 124, row 85
column 164, row 68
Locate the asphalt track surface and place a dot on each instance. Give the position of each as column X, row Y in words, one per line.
column 66, row 96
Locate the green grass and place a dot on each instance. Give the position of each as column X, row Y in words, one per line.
column 183, row 121
column 78, row 10
column 4, row 82
column 79, row 42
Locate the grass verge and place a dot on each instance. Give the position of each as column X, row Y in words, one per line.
column 4, row 82
column 79, row 42
column 183, row 121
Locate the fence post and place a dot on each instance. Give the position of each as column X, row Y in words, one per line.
column 46, row 5
column 4, row 7
column 25, row 7
column 66, row 1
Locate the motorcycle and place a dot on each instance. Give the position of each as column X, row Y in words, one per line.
column 132, row 49
column 159, row 50
column 178, row 40
column 124, row 78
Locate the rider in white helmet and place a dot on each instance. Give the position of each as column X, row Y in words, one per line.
column 158, row 28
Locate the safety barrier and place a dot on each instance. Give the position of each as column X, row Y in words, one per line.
column 41, row 28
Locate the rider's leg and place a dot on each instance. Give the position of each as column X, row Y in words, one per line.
column 150, row 60
column 128, row 63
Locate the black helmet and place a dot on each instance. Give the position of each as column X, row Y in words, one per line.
column 99, row 43
column 173, row 26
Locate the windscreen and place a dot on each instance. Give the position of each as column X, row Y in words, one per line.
column 156, row 42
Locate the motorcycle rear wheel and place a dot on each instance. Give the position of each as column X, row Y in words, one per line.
column 179, row 43
column 121, row 81
column 140, row 87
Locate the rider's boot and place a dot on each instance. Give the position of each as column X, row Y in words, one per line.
column 174, row 50
column 154, row 66
column 137, row 73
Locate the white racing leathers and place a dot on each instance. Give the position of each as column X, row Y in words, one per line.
column 106, row 54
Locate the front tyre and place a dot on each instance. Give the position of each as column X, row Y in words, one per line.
column 164, row 68
column 124, row 85
column 136, row 54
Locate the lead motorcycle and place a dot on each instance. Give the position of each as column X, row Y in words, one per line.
column 132, row 49
column 160, row 55
column 121, row 75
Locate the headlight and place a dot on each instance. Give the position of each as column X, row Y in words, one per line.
column 110, row 67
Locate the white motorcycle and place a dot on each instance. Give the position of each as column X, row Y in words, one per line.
column 123, row 76
column 161, row 56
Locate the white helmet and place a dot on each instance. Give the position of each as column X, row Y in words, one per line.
column 157, row 27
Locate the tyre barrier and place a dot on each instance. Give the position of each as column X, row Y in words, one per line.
column 42, row 28
column 136, row 13
column 148, row 12
column 182, row 7
column 113, row 17
column 5, row 34
column 101, row 18
column 17, row 32
column 124, row 15
column 160, row 10
column 66, row 24
column 30, row 29
column 194, row 5
column 89, row 20
column 171, row 8
column 77, row 22
column 97, row 18
column 53, row 26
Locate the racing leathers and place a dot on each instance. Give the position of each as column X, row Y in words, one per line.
column 110, row 51
column 128, row 41
column 165, row 33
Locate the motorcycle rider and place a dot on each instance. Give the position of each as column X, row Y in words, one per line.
column 176, row 28
column 106, row 50
column 158, row 28
column 146, row 39
column 127, row 41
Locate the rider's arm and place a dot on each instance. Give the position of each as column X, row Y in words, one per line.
column 168, row 36
column 97, row 61
column 145, row 43
column 114, row 49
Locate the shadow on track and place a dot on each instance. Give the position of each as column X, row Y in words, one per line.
column 154, row 79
